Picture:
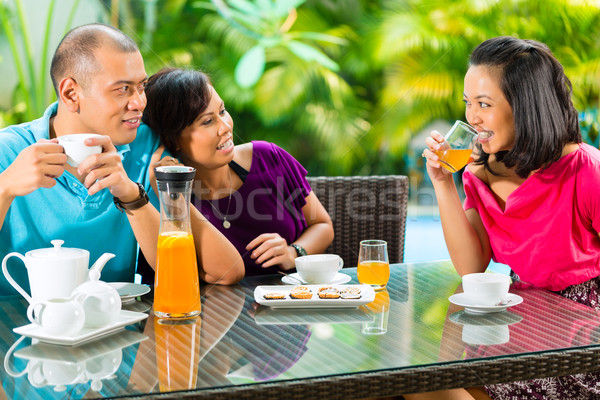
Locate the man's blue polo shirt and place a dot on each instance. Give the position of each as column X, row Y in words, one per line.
column 66, row 212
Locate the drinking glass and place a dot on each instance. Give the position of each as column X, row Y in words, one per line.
column 380, row 309
column 457, row 146
column 373, row 264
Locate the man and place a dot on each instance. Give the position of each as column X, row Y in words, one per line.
column 99, row 77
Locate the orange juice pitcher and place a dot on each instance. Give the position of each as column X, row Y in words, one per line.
column 177, row 352
column 176, row 285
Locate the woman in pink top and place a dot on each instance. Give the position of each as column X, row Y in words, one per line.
column 532, row 198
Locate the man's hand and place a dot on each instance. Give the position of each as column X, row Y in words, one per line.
column 35, row 167
column 105, row 170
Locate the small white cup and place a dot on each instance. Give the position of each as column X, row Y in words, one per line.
column 76, row 150
column 59, row 316
column 485, row 289
column 318, row 268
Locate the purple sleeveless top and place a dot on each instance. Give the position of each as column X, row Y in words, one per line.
column 269, row 201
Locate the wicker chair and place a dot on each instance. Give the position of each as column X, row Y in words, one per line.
column 364, row 207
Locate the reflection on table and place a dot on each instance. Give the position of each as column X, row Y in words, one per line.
column 236, row 345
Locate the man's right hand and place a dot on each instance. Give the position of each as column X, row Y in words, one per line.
column 36, row 166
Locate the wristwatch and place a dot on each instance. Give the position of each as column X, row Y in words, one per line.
column 132, row 205
column 299, row 250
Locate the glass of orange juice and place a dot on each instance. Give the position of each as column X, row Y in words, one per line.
column 373, row 264
column 457, row 146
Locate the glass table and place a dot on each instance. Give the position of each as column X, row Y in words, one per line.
column 239, row 349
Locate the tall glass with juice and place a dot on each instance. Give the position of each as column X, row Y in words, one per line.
column 457, row 146
column 373, row 264
column 177, row 352
column 176, row 284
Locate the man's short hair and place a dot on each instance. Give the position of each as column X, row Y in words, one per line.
column 74, row 56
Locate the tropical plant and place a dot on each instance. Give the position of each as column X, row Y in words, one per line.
column 423, row 48
column 32, row 88
column 299, row 101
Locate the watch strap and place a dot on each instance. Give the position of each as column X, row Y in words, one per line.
column 140, row 202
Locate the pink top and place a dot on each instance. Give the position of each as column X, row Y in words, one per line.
column 548, row 231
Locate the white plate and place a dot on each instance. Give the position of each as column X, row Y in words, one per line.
column 129, row 291
column 461, row 299
column 339, row 279
column 367, row 296
column 84, row 335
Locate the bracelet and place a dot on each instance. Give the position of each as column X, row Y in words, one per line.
column 300, row 251
column 140, row 202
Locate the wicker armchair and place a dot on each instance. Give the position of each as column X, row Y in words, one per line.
column 364, row 207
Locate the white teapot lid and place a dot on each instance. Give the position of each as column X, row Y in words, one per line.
column 57, row 252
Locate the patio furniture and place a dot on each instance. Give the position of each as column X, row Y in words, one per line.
column 238, row 350
column 364, row 207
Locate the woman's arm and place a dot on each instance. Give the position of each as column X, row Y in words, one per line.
column 219, row 261
column 465, row 236
column 271, row 249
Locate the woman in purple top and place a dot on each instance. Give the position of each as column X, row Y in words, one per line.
column 256, row 194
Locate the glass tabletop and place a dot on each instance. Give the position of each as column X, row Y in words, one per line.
column 239, row 344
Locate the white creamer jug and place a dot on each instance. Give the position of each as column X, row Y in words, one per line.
column 53, row 272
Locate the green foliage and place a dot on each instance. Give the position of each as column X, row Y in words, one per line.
column 32, row 89
column 344, row 85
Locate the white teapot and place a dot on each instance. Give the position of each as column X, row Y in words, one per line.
column 101, row 302
column 54, row 272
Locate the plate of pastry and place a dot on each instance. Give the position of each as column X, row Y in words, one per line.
column 314, row 296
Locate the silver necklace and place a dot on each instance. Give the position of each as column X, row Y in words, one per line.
column 226, row 224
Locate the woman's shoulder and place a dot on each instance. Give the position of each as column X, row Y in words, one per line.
column 243, row 155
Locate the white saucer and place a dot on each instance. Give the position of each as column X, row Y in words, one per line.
column 461, row 299
column 84, row 335
column 339, row 279
column 129, row 291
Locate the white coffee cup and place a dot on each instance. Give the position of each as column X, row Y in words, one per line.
column 318, row 268
column 58, row 316
column 485, row 289
column 76, row 150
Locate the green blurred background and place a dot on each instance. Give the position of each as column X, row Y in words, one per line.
column 349, row 87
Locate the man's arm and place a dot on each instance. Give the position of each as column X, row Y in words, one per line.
column 35, row 167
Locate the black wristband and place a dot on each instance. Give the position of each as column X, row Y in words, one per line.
column 132, row 205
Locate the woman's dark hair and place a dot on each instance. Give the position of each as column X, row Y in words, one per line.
column 175, row 99
column 539, row 94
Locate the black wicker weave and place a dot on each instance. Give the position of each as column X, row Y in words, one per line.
column 364, row 207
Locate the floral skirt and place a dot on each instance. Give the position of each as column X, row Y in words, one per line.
column 574, row 387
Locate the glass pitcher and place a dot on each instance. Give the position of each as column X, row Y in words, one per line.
column 176, row 285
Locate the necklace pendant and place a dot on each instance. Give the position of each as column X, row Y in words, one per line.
column 226, row 224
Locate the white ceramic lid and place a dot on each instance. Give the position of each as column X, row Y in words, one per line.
column 58, row 252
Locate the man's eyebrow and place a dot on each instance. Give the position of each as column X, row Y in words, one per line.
column 126, row 82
